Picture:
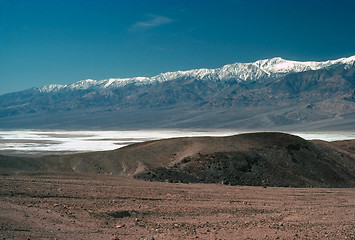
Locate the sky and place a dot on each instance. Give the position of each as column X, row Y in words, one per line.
column 46, row 42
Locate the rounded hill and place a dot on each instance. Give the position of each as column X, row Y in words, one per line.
column 263, row 159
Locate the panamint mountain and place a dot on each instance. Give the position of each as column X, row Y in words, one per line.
column 270, row 94
column 259, row 70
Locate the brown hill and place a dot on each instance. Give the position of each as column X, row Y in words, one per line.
column 270, row 159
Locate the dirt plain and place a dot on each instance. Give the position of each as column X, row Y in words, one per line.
column 91, row 206
column 94, row 195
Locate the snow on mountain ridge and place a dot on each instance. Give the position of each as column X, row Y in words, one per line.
column 51, row 88
column 261, row 69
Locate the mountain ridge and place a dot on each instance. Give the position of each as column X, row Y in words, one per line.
column 311, row 100
column 267, row 68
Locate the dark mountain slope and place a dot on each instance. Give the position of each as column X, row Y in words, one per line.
column 269, row 159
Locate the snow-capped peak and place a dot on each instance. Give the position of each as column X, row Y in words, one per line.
column 51, row 88
column 261, row 69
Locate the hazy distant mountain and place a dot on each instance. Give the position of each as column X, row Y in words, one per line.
column 267, row 94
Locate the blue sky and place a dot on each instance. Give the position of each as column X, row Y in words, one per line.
column 65, row 41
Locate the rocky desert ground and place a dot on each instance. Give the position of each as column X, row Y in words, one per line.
column 87, row 206
column 95, row 195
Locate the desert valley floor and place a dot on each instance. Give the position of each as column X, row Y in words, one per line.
column 90, row 206
column 100, row 195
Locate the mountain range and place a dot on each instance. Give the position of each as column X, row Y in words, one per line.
column 273, row 94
